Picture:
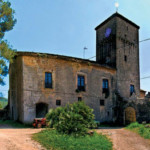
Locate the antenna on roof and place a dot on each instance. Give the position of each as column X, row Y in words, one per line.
column 116, row 5
column 85, row 48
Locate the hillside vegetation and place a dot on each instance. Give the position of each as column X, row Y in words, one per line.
column 3, row 102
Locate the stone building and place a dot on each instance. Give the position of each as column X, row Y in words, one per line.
column 39, row 81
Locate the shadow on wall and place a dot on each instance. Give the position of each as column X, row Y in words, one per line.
column 144, row 111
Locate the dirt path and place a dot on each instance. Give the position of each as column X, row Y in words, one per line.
column 17, row 139
column 125, row 140
column 20, row 139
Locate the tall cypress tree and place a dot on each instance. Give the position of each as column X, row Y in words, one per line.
column 7, row 22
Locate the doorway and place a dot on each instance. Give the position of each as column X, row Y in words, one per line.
column 41, row 110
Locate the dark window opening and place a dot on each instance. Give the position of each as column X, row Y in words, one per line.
column 41, row 110
column 125, row 58
column 105, row 84
column 106, row 51
column 79, row 99
column 58, row 102
column 81, row 83
column 107, row 113
column 132, row 90
column 105, row 88
column 48, row 80
column 102, row 102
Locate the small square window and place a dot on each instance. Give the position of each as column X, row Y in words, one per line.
column 102, row 102
column 79, row 99
column 58, row 102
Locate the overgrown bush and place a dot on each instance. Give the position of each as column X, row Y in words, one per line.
column 144, row 132
column 53, row 116
column 134, row 125
column 140, row 129
column 73, row 119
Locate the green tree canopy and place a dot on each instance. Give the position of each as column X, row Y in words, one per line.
column 7, row 23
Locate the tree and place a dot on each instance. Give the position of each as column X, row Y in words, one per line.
column 7, row 23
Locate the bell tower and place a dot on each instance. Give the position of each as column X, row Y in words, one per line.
column 106, row 42
column 117, row 46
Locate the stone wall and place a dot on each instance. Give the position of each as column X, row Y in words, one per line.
column 141, row 107
column 143, row 110
column 124, row 51
column 64, row 75
column 127, row 38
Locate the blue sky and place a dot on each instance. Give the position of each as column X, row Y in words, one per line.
column 66, row 26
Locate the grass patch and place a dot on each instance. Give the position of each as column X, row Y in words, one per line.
column 15, row 124
column 53, row 140
column 140, row 129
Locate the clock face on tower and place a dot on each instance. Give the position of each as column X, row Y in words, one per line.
column 108, row 32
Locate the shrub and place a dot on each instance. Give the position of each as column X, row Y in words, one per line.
column 140, row 129
column 73, row 119
column 53, row 116
column 134, row 125
column 144, row 132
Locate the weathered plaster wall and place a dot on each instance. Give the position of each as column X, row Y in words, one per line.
column 64, row 75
